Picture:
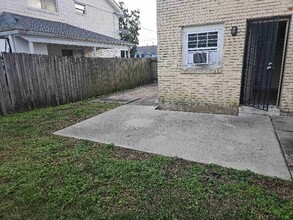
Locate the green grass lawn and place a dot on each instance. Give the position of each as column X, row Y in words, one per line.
column 43, row 176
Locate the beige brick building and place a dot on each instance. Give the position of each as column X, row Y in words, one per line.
column 217, row 55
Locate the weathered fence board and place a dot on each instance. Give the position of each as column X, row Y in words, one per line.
column 5, row 102
column 33, row 81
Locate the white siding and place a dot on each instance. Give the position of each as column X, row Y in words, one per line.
column 99, row 15
column 41, row 48
column 2, row 45
column 21, row 46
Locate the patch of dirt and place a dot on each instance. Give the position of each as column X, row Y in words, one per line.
column 284, row 190
column 147, row 93
column 4, row 180
column 174, row 167
column 126, row 154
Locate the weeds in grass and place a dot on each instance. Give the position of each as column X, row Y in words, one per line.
column 43, row 176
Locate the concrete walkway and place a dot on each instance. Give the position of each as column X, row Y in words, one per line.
column 284, row 130
column 243, row 142
column 144, row 95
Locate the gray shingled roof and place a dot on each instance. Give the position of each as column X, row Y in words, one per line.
column 10, row 22
column 147, row 50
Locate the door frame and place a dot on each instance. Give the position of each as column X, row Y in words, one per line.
column 244, row 63
column 280, row 89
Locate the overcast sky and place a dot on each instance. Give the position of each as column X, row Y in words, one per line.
column 148, row 32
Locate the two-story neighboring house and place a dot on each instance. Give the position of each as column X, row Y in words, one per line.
column 217, row 55
column 61, row 27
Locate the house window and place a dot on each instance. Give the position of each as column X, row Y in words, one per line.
column 124, row 54
column 49, row 5
column 67, row 53
column 80, row 8
column 202, row 46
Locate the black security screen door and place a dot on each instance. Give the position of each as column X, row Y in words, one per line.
column 259, row 63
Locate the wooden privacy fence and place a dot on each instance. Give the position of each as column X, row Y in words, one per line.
column 154, row 68
column 32, row 81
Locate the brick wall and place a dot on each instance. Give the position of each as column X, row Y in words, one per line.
column 99, row 15
column 204, row 90
column 106, row 53
column 56, row 50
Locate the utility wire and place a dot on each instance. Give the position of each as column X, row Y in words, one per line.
column 147, row 29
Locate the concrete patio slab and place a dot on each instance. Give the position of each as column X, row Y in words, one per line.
column 144, row 95
column 283, row 123
column 243, row 142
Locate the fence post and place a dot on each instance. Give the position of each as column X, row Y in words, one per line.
column 5, row 99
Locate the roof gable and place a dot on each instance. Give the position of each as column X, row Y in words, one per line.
column 115, row 6
column 11, row 22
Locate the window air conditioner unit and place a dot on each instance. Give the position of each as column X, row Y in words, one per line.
column 201, row 57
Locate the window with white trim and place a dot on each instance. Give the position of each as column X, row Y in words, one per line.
column 124, row 54
column 202, row 46
column 80, row 8
column 49, row 5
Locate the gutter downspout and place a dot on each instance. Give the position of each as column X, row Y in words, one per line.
column 7, row 41
column 12, row 43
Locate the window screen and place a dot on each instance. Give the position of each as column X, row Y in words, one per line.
column 203, row 41
column 80, row 8
column 49, row 5
column 34, row 3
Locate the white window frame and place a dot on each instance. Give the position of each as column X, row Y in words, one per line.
column 124, row 54
column 43, row 6
column 213, row 63
column 79, row 11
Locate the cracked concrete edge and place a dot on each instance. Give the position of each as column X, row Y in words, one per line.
column 120, row 102
column 134, row 100
column 291, row 171
column 290, row 168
